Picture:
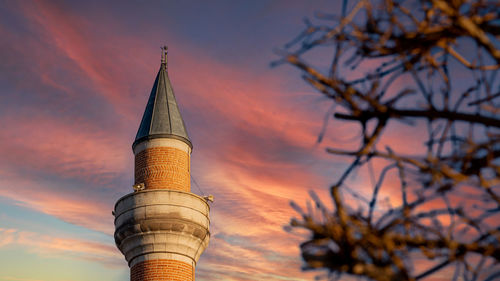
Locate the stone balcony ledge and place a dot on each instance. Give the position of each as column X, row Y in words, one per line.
column 162, row 221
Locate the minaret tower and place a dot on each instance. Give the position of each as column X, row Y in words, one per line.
column 162, row 228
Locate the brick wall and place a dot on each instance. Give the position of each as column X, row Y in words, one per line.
column 163, row 168
column 160, row 270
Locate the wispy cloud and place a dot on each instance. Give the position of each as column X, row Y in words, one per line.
column 62, row 247
column 50, row 198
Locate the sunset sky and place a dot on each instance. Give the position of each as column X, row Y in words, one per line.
column 74, row 80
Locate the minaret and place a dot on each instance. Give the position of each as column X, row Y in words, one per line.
column 162, row 228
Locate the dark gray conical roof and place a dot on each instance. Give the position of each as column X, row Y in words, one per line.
column 162, row 118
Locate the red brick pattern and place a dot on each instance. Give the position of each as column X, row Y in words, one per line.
column 163, row 168
column 162, row 270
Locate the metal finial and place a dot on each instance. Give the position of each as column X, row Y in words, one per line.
column 164, row 54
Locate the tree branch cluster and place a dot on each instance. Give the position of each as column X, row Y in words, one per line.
column 430, row 62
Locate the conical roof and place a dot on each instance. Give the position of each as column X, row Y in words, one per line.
column 162, row 118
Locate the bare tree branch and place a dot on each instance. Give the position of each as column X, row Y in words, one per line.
column 424, row 61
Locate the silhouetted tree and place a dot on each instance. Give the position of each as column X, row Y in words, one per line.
column 433, row 65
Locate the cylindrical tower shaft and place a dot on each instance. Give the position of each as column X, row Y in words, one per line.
column 163, row 164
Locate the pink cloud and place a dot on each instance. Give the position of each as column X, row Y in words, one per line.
column 68, row 36
column 71, row 207
column 53, row 246
column 57, row 146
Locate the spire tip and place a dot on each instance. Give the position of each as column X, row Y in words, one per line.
column 164, row 53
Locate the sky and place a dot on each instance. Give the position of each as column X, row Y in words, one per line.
column 74, row 81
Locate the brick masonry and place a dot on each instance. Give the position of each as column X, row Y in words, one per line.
column 163, row 168
column 162, row 270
